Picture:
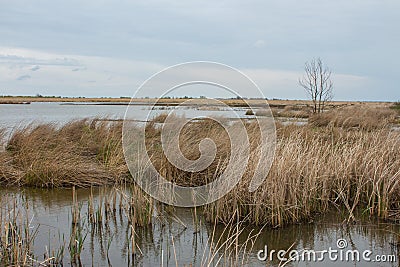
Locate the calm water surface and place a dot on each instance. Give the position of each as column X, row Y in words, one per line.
column 178, row 234
column 16, row 115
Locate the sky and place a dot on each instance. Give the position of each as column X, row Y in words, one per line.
column 109, row 48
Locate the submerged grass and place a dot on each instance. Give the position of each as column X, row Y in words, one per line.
column 17, row 236
column 90, row 220
column 20, row 243
column 344, row 157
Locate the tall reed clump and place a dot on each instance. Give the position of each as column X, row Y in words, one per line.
column 190, row 138
column 316, row 168
column 360, row 117
column 80, row 153
column 7, row 170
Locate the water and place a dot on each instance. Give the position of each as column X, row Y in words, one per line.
column 177, row 234
column 14, row 115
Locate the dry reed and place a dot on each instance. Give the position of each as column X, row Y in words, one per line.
column 80, row 153
column 359, row 117
column 315, row 168
column 17, row 236
column 293, row 111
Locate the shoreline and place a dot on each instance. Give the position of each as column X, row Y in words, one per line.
column 173, row 101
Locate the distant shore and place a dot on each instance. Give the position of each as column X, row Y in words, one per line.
column 172, row 101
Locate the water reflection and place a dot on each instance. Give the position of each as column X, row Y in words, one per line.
column 181, row 237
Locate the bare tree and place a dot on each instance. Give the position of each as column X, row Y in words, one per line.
column 317, row 83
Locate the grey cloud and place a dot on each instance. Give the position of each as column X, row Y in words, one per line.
column 79, row 69
column 23, row 77
column 352, row 37
column 13, row 59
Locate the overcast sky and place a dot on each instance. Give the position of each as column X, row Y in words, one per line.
column 108, row 48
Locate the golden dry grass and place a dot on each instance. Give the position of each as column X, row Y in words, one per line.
column 81, row 153
column 315, row 168
column 358, row 117
column 396, row 106
column 293, row 111
column 191, row 136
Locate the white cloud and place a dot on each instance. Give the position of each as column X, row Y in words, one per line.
column 104, row 76
column 260, row 43
column 35, row 68
column 284, row 84
column 63, row 74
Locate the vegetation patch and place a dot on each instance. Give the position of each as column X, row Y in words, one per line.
column 396, row 106
column 355, row 117
column 344, row 157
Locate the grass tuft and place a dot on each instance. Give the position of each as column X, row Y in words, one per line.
column 364, row 118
